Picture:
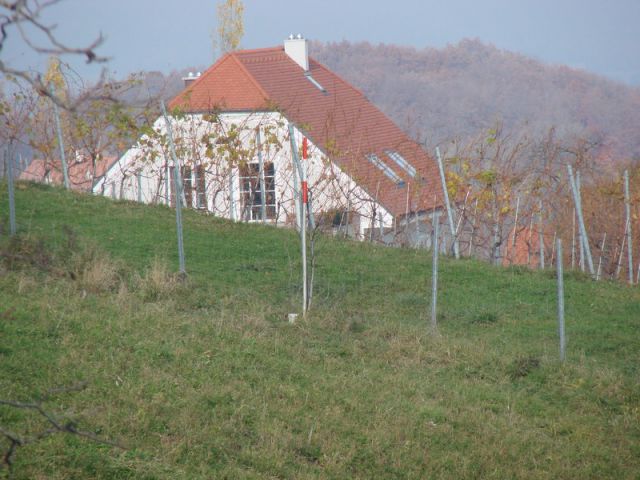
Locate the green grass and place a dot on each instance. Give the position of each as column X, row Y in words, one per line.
column 206, row 379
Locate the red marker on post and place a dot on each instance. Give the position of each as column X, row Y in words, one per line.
column 305, row 155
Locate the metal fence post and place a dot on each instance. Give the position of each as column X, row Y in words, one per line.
column 65, row 171
column 583, row 231
column 300, row 170
column 559, row 262
column 627, row 203
column 541, row 237
column 263, row 200
column 604, row 239
column 177, row 188
column 447, row 204
column 434, row 274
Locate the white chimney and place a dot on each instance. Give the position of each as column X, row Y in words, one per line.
column 297, row 48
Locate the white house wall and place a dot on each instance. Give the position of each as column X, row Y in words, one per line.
column 141, row 173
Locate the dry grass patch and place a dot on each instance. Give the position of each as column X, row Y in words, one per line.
column 158, row 282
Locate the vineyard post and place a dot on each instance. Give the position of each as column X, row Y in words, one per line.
column 627, row 203
column 559, row 262
column 604, row 239
column 63, row 159
column 580, row 238
column 541, row 236
column 573, row 240
column 263, row 200
column 434, row 273
column 515, row 230
column 447, row 204
column 583, row 231
column 178, row 189
column 302, row 201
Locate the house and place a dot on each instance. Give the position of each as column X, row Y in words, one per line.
column 231, row 132
column 82, row 171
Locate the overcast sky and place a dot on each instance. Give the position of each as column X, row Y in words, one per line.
column 601, row 36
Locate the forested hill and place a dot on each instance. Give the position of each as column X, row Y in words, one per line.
column 460, row 90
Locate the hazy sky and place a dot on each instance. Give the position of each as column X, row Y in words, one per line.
column 602, row 36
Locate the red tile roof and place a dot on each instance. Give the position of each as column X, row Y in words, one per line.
column 80, row 172
column 341, row 121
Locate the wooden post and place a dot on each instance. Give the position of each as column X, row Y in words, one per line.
column 559, row 263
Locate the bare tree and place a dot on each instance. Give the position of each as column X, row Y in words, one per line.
column 22, row 19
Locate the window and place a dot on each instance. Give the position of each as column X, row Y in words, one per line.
column 315, row 82
column 388, row 171
column 250, row 198
column 187, row 186
column 401, row 162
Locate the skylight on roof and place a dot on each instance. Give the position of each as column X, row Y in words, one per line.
column 388, row 171
column 315, row 82
column 402, row 163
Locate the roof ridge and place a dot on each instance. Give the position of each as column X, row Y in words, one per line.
column 259, row 50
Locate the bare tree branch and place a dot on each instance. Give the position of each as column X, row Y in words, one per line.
column 55, row 425
column 24, row 15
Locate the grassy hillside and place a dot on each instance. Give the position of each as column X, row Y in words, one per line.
column 206, row 379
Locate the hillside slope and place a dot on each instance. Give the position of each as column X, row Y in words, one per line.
column 206, row 379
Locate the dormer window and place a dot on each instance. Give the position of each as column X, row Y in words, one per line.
column 401, row 162
column 386, row 169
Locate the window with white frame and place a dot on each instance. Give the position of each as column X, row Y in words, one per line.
column 250, row 195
